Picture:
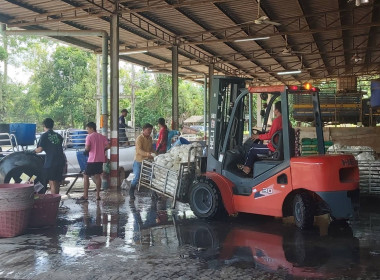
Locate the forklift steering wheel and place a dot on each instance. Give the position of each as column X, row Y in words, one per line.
column 256, row 131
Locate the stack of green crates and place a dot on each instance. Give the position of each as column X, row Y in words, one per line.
column 328, row 144
column 309, row 146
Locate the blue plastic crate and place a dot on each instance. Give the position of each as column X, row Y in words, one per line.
column 79, row 139
column 82, row 160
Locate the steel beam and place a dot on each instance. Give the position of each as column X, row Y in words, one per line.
column 372, row 35
column 293, row 25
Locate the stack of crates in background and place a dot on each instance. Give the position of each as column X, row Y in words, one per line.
column 369, row 173
column 309, row 146
column 328, row 144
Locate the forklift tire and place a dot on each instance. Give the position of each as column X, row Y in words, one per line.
column 303, row 211
column 205, row 200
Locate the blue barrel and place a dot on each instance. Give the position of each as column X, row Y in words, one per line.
column 375, row 93
column 25, row 133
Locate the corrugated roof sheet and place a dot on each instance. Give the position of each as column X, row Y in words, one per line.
column 321, row 36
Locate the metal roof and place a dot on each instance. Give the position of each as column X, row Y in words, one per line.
column 322, row 38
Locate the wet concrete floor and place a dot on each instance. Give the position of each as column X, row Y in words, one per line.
column 114, row 239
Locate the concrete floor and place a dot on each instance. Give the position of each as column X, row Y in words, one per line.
column 113, row 239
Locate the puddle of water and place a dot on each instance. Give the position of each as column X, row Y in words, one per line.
column 150, row 232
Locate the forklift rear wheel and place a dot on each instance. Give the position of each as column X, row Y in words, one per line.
column 303, row 211
column 205, row 200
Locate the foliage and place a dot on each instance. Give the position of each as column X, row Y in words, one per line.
column 155, row 101
column 3, row 54
column 66, row 85
column 62, row 86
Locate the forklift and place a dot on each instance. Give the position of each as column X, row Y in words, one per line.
column 281, row 184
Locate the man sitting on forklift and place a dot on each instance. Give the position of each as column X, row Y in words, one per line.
column 263, row 148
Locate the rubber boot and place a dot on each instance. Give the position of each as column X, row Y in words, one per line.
column 132, row 192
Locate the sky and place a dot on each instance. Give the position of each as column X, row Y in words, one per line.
column 17, row 74
column 21, row 75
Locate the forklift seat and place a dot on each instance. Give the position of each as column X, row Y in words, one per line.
column 238, row 155
column 277, row 142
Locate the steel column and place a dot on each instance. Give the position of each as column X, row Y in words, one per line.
column 98, row 96
column 250, row 114
column 318, row 123
column 175, row 113
column 210, row 78
column 205, row 106
column 114, row 47
column 104, row 118
column 259, row 118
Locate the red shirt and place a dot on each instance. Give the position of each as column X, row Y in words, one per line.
column 162, row 139
column 276, row 125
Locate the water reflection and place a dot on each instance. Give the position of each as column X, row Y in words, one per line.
column 267, row 245
column 147, row 229
column 271, row 247
column 155, row 215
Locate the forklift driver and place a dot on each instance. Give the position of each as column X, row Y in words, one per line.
column 262, row 148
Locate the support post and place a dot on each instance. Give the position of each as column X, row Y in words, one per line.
column 258, row 112
column 250, row 114
column 205, row 107
column 98, row 96
column 133, row 96
column 210, row 80
column 175, row 111
column 114, row 98
column 104, row 117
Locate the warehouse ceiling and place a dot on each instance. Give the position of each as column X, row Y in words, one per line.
column 321, row 39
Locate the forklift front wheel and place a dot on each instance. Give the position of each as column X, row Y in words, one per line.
column 303, row 210
column 205, row 200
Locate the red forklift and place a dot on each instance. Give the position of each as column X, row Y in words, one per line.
column 280, row 185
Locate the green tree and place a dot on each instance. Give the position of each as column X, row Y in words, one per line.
column 155, row 99
column 3, row 53
column 66, row 85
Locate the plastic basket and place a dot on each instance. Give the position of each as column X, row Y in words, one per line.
column 13, row 223
column 45, row 209
column 82, row 160
column 16, row 201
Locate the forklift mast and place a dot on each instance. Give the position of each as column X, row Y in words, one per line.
column 225, row 91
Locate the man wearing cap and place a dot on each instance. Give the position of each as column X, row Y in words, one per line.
column 123, row 139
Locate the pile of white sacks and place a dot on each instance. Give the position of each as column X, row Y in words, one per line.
column 177, row 155
column 359, row 152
